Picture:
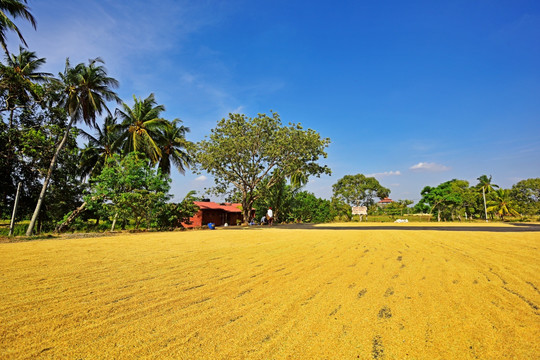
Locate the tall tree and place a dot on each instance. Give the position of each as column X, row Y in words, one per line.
column 16, row 9
column 242, row 152
column 484, row 183
column 174, row 148
column 19, row 81
column 132, row 187
column 526, row 194
column 447, row 198
column 84, row 91
column 141, row 127
column 21, row 87
column 358, row 190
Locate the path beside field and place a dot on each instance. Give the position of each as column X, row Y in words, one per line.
column 518, row 227
column 275, row 293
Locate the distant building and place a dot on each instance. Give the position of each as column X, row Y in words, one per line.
column 219, row 214
column 385, row 202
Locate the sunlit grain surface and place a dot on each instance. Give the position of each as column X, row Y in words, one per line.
column 273, row 294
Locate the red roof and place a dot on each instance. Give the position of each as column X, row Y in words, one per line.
column 229, row 207
column 386, row 200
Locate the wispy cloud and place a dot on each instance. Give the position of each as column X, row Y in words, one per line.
column 384, row 174
column 200, row 178
column 427, row 166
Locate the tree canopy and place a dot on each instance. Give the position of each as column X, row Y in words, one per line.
column 130, row 188
column 358, row 190
column 241, row 152
column 527, row 196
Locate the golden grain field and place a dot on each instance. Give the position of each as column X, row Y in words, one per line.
column 273, row 293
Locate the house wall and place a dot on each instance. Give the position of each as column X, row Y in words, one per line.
column 213, row 216
column 216, row 216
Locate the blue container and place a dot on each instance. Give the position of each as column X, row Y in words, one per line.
column 211, row 226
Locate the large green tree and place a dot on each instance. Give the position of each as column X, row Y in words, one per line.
column 307, row 208
column 241, row 152
column 526, row 195
column 130, row 188
column 25, row 158
column 359, row 189
column 448, row 198
column 15, row 9
column 83, row 93
column 21, row 87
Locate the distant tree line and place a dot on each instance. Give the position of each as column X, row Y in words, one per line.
column 456, row 200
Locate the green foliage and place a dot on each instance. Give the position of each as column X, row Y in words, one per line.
column 141, row 127
column 279, row 197
column 340, row 210
column 99, row 148
column 251, row 154
column 175, row 149
column 84, row 90
column 526, row 195
column 449, row 199
column 130, row 188
column 502, row 204
column 16, row 9
column 292, row 205
column 172, row 215
column 396, row 208
column 358, row 190
column 26, row 150
column 20, row 80
column 484, row 182
column 307, row 208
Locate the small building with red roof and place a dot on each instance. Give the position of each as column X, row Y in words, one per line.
column 385, row 201
column 219, row 214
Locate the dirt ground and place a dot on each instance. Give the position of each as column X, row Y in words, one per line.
column 273, row 293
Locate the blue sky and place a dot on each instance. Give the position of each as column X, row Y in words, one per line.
column 414, row 93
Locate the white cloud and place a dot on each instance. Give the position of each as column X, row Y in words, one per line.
column 386, row 173
column 426, row 166
column 201, row 178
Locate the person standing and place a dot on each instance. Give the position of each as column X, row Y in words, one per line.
column 270, row 216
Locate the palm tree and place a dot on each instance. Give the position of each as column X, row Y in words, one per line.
column 174, row 148
column 93, row 158
column 19, row 78
column 85, row 90
column 142, row 127
column 502, row 204
column 100, row 147
column 16, row 9
column 486, row 186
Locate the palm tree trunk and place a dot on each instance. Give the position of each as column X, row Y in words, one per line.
column 14, row 214
column 78, row 211
column 485, row 206
column 65, row 225
column 47, row 179
column 114, row 221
